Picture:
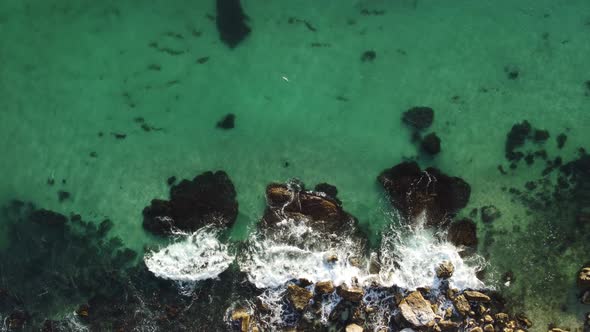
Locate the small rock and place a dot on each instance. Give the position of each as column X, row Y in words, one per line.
column 488, row 319
column 488, row 328
column 352, row 294
column 463, row 233
column 476, row 329
column 242, row 316
column 584, row 277
column 445, row 270
column 416, row 310
column 461, row 305
column 332, row 258
column 540, row 135
column 354, row 328
column 298, row 296
column 476, row 296
column 490, row 213
column 171, row 180
column 431, row 144
column 585, row 299
column 228, row 122
column 419, row 117
column 324, row 287
column 62, row 195
column 368, row 56
column 561, row 139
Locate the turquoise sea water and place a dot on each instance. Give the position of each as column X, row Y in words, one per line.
column 73, row 69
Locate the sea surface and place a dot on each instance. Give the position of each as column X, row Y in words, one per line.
column 106, row 100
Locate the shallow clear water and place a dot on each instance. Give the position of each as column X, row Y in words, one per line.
column 302, row 97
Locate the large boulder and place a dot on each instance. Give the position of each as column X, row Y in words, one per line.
column 289, row 202
column 299, row 297
column 416, row 310
column 413, row 191
column 463, row 233
column 210, row 198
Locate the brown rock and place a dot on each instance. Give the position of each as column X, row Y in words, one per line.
column 488, row 328
column 354, row 328
column 298, row 296
column 461, row 305
column 463, row 233
column 416, row 310
column 447, row 325
column 324, row 287
column 445, row 270
column 476, row 296
column 352, row 294
column 584, row 277
column 242, row 316
column 476, row 329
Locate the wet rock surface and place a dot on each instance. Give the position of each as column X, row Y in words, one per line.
column 289, row 201
column 415, row 310
column 210, row 198
column 413, row 191
column 463, row 232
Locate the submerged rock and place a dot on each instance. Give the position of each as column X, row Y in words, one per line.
column 490, row 213
column 431, row 144
column 584, row 277
column 418, row 117
column 208, row 198
column 516, row 138
column 47, row 217
column 416, row 310
column 231, row 22
column 286, row 201
column 228, row 122
column 463, row 233
column 413, row 191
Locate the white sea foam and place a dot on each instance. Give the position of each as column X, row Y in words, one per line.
column 411, row 255
column 193, row 257
column 293, row 250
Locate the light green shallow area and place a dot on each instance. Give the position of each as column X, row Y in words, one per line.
column 72, row 69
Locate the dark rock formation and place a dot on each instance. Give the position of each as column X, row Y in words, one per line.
column 329, row 190
column 490, row 213
column 419, row 117
column 208, row 198
column 540, row 135
column 228, row 122
column 431, row 144
column 231, row 22
column 561, row 139
column 516, row 138
column 413, row 191
column 291, row 201
column 368, row 56
column 463, row 233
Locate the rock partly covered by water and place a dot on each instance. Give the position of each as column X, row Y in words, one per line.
column 584, row 277
column 286, row 201
column 463, row 232
column 412, row 191
column 210, row 198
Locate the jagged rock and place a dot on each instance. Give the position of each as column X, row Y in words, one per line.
column 463, row 233
column 209, row 198
column 476, row 296
column 430, row 144
column 231, row 22
column 413, row 191
column 419, row 117
column 324, row 287
column 488, row 328
column 415, row 310
column 445, row 270
column 352, row 294
column 584, row 277
column 298, row 296
column 228, row 122
column 243, row 317
column 461, row 305
column 490, row 213
column 322, row 213
column 354, row 328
